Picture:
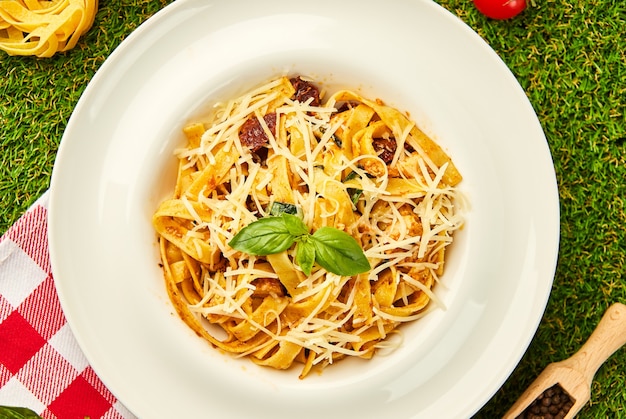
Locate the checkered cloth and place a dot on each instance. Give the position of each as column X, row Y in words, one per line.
column 41, row 365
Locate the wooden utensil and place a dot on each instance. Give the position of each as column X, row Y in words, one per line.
column 575, row 374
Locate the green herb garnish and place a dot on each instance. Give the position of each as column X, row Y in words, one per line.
column 11, row 412
column 333, row 249
column 279, row 208
column 354, row 193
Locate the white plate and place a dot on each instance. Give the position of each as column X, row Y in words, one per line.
column 115, row 164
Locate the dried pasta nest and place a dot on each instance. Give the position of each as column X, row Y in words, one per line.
column 43, row 28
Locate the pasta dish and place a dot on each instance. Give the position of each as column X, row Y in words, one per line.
column 304, row 229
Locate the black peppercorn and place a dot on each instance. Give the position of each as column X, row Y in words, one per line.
column 553, row 403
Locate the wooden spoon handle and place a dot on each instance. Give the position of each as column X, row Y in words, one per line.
column 608, row 337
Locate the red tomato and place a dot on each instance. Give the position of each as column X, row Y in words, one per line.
column 500, row 9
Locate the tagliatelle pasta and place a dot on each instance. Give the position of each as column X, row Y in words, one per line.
column 349, row 164
column 43, row 28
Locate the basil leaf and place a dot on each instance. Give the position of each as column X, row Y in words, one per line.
column 355, row 194
column 10, row 412
column 338, row 252
column 350, row 176
column 305, row 255
column 279, row 208
column 295, row 225
column 333, row 137
column 335, row 250
column 265, row 236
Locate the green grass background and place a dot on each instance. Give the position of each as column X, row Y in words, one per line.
column 569, row 57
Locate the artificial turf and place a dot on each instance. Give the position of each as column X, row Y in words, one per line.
column 569, row 57
column 37, row 97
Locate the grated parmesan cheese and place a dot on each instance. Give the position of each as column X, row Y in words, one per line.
column 405, row 232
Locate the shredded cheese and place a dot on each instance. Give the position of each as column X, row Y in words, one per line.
column 404, row 234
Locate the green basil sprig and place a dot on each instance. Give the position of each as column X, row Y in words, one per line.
column 333, row 249
column 12, row 412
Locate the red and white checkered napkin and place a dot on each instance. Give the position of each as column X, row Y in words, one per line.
column 41, row 365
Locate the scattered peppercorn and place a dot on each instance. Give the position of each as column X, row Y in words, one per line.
column 553, row 403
